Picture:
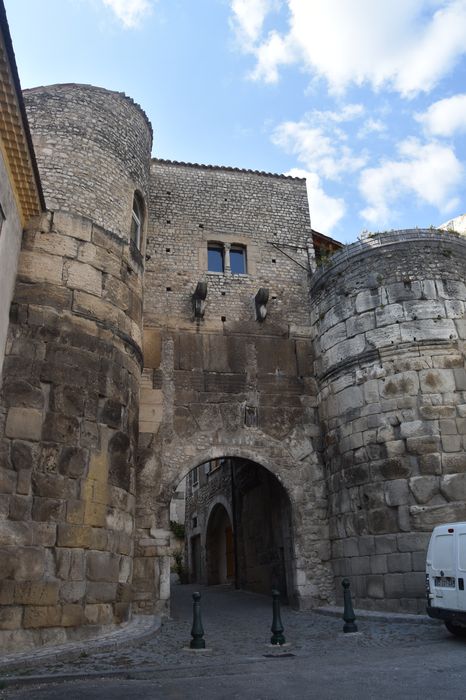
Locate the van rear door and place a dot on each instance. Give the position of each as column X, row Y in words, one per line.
column 442, row 559
column 461, row 544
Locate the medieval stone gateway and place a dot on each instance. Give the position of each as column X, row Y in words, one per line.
column 169, row 314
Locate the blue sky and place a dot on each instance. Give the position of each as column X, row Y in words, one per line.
column 364, row 98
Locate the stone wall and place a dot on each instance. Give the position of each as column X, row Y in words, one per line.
column 93, row 151
column 389, row 322
column 228, row 385
column 68, row 432
column 10, row 244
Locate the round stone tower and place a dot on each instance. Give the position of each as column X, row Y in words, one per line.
column 93, row 150
column 388, row 315
column 70, row 395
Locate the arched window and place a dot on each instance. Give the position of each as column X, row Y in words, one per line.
column 137, row 220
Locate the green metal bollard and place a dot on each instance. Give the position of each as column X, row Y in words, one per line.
column 277, row 624
column 348, row 612
column 197, row 630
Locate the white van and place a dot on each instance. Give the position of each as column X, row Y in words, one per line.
column 446, row 576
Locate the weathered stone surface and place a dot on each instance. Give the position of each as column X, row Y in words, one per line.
column 102, row 566
column 453, row 463
column 37, row 592
column 427, row 517
column 60, row 428
column 84, row 277
column 24, row 423
column 424, row 488
column 453, row 487
column 396, row 492
column 10, row 617
column 42, row 616
column 73, row 536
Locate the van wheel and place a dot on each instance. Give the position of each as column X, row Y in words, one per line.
column 457, row 630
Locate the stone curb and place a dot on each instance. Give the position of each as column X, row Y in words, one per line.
column 408, row 618
column 136, row 674
column 138, row 630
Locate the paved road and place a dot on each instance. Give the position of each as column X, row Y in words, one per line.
column 386, row 660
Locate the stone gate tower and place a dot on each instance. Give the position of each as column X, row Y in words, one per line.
column 72, row 370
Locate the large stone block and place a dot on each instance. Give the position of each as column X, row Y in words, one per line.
column 453, row 487
column 453, row 463
column 437, row 381
column 84, row 277
column 21, row 393
column 75, row 226
column 42, row 616
column 396, row 492
column 72, row 615
column 40, row 267
column 73, row 535
column 98, row 614
column 101, row 592
column 37, row 592
column 48, row 509
column 24, row 423
column 60, row 428
column 381, row 520
column 10, row 617
column 427, row 517
column 424, row 488
column 13, row 533
column 399, row 562
column 73, row 462
column 102, row 566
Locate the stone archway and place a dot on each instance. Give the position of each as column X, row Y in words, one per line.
column 238, row 527
column 293, row 467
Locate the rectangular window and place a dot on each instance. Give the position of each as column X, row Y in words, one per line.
column 215, row 258
column 238, row 260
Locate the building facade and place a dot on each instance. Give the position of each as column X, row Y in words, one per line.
column 166, row 315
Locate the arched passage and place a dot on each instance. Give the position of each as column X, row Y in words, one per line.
column 219, row 547
column 238, row 527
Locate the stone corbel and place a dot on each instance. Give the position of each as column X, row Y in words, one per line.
column 199, row 297
column 261, row 299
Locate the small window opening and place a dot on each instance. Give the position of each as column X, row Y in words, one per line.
column 274, row 260
column 238, row 260
column 224, row 318
column 168, row 289
column 137, row 221
column 215, row 258
column 167, row 250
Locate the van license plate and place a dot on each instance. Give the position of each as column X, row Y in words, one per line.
column 444, row 581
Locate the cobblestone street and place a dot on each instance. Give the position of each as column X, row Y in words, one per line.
column 237, row 632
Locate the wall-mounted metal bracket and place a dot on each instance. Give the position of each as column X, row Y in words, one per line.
column 261, row 300
column 199, row 297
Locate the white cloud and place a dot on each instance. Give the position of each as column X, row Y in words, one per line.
column 445, row 117
column 372, row 126
column 429, row 171
column 248, row 18
column 130, row 12
column 319, row 143
column 407, row 45
column 326, row 211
